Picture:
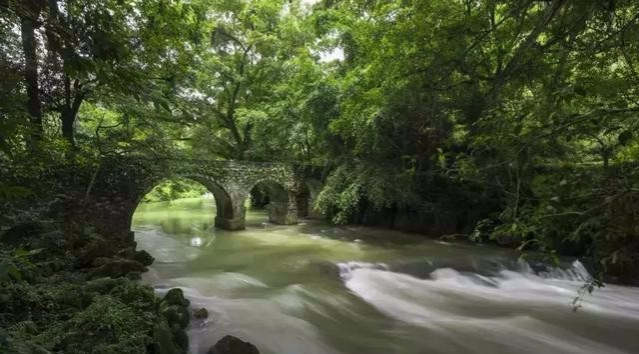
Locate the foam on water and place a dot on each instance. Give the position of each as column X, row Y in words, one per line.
column 513, row 311
column 331, row 290
column 346, row 268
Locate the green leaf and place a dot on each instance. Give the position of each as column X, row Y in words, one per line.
column 14, row 272
column 21, row 252
column 625, row 138
column 580, row 90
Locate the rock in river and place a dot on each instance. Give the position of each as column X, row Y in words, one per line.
column 176, row 297
column 233, row 345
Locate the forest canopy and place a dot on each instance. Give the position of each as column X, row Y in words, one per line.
column 417, row 106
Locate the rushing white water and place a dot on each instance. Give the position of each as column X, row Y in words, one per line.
column 313, row 288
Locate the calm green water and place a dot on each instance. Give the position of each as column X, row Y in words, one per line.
column 318, row 289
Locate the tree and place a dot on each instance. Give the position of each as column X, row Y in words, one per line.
column 73, row 51
column 504, row 94
column 434, row 104
column 114, row 48
column 29, row 12
column 252, row 45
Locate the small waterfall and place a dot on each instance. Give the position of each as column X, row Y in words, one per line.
column 576, row 272
column 346, row 269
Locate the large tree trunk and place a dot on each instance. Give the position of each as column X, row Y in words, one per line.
column 67, row 115
column 73, row 91
column 34, row 108
column 73, row 98
column 68, row 120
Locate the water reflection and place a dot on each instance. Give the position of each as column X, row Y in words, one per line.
column 189, row 220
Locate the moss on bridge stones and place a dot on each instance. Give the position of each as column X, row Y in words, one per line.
column 106, row 192
column 229, row 181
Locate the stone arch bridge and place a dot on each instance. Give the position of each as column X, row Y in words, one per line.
column 115, row 188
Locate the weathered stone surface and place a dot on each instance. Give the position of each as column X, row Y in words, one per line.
column 201, row 313
column 176, row 297
column 143, row 257
column 115, row 268
column 100, row 261
column 134, row 275
column 22, row 234
column 233, row 345
column 95, row 249
column 163, row 340
column 180, row 337
column 57, row 300
column 120, row 185
column 177, row 315
column 53, row 241
column 230, row 224
column 101, row 285
column 127, row 253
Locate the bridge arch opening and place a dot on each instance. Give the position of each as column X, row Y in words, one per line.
column 180, row 188
column 276, row 199
column 303, row 201
column 307, row 193
column 259, row 197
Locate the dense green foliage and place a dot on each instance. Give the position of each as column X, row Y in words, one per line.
column 66, row 289
column 175, row 189
column 531, row 102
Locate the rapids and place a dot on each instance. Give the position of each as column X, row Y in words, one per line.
column 320, row 289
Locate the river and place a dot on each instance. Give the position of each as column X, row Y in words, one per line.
column 314, row 288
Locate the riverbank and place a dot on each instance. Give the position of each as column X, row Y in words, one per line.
column 69, row 290
column 66, row 289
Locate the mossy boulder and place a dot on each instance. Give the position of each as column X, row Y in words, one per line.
column 95, row 249
column 127, row 253
column 131, row 293
column 201, row 313
column 233, row 345
column 100, row 261
column 21, row 235
column 143, row 257
column 180, row 337
column 54, row 242
column 176, row 297
column 134, row 275
column 76, row 296
column 175, row 314
column 163, row 341
column 115, row 268
column 107, row 326
column 102, row 285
